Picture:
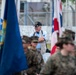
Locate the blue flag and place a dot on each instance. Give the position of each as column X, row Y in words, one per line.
column 13, row 58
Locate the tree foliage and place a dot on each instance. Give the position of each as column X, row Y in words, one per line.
column 65, row 1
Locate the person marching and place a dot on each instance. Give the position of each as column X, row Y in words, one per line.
column 34, row 58
column 61, row 63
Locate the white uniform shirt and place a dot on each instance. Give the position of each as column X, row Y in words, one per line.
column 39, row 35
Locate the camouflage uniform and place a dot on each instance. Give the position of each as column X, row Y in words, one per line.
column 59, row 65
column 35, row 62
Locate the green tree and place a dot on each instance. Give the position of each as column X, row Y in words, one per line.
column 65, row 1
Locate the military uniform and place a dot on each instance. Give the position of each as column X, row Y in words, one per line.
column 58, row 64
column 35, row 62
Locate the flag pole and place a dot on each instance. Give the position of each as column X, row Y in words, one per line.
column 56, row 3
column 2, row 8
column 67, row 12
column 2, row 16
column 18, row 8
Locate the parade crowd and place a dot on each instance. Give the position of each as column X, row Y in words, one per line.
column 62, row 62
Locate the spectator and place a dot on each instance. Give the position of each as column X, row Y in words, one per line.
column 41, row 46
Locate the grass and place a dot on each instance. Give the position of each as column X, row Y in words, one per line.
column 48, row 46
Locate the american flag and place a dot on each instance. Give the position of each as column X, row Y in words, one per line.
column 56, row 23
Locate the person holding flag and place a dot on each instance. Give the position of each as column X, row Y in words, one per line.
column 12, row 58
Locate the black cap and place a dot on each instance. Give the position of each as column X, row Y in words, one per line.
column 38, row 24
